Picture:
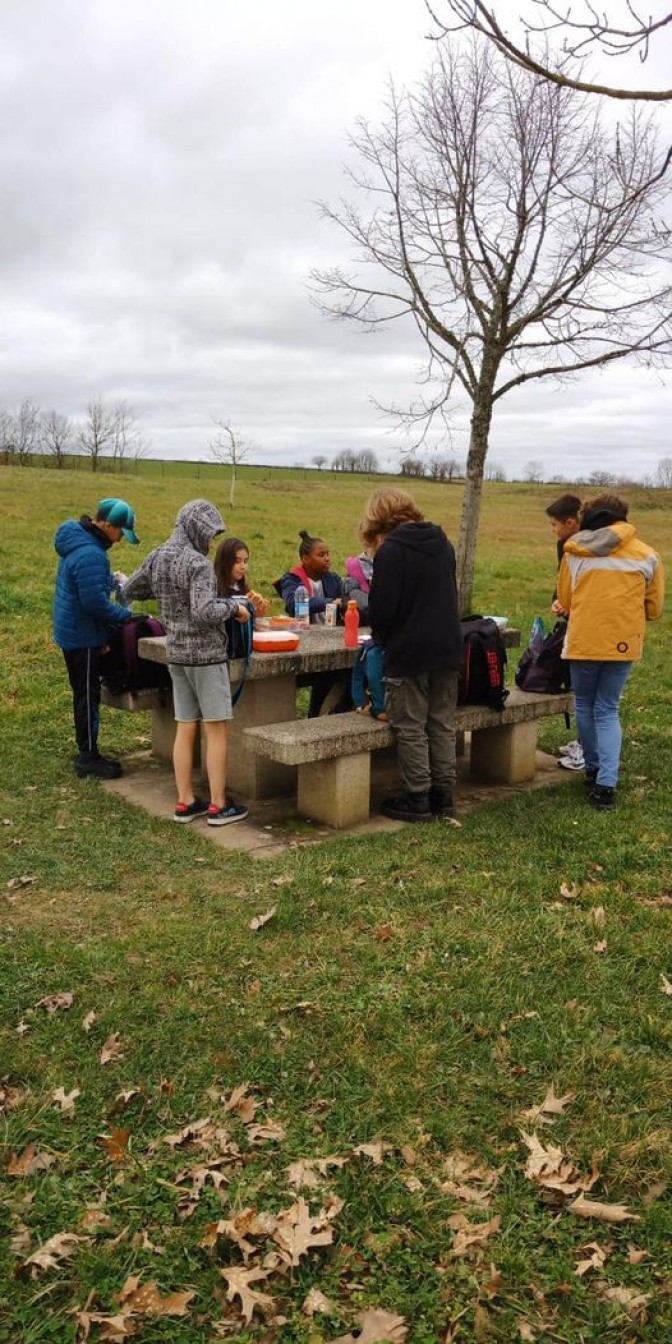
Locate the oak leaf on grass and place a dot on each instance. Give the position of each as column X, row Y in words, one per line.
column 144, row 1299
column 550, row 1169
column 65, row 1100
column 629, row 1299
column 470, row 1237
column 109, row 1327
column 595, row 1256
column 54, row 1251
column 315, row 1302
column 260, row 920
column 307, row 1173
column 377, row 1327
column 603, row 1213
column 54, row 1003
column 376, row 1151
column 29, row 1161
column 468, row 1179
column 88, row 1021
column 242, row 1103
column 116, row 1144
column 239, row 1284
column 298, row 1232
column 665, row 984
column 112, row 1049
column 551, row 1106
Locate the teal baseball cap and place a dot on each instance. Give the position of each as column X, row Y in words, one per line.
column 119, row 514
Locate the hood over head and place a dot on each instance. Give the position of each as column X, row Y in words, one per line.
column 201, row 521
column 73, row 536
column 425, row 537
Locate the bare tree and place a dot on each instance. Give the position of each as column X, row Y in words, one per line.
column 230, row 448
column 96, row 434
column 366, row 461
column 127, row 440
column 56, row 436
column 344, row 461
column 602, row 479
column 319, row 461
column 26, row 432
column 7, row 436
column 412, row 466
column 663, row 476
column 521, row 240
column 493, row 472
column 580, row 27
column 533, row 472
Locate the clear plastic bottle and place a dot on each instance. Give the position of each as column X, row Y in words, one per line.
column 351, row 623
column 301, row 608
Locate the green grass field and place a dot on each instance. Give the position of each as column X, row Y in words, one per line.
column 415, row 994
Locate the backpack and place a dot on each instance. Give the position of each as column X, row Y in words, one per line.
column 368, row 681
column 543, row 669
column 122, row 668
column 239, row 646
column 484, row 664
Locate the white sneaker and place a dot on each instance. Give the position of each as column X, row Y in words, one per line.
column 574, row 759
column 569, row 748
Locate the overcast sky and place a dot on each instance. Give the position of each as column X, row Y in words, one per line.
column 160, row 164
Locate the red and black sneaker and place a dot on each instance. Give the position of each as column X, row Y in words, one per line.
column 190, row 811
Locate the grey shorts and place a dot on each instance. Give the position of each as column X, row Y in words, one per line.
column 201, row 692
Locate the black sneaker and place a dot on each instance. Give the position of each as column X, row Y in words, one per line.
column 223, row 816
column 441, row 802
column 602, row 798
column 100, row 767
column 589, row 778
column 190, row 811
column 408, row 807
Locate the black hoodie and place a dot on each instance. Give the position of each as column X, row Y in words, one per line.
column 413, row 601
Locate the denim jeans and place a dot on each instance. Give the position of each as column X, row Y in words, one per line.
column 598, row 687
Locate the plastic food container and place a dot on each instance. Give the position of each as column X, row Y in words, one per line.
column 274, row 641
column 500, row 621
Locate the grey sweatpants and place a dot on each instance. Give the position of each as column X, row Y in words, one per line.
column 421, row 711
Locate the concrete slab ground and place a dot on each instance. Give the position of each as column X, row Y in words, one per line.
column 274, row 826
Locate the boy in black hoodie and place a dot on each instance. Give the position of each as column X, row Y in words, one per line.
column 414, row 616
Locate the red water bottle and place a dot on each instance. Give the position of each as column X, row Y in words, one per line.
column 351, row 622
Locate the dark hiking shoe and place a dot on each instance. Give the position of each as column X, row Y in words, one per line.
column 408, row 807
column 441, row 802
column 589, row 778
column 100, row 767
column 190, row 811
column 223, row 816
column 602, row 799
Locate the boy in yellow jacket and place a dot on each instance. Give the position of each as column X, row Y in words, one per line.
column 610, row 583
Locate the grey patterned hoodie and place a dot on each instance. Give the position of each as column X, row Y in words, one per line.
column 182, row 580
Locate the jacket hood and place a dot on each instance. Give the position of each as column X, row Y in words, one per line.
column 425, row 537
column 72, row 536
column 602, row 541
column 197, row 523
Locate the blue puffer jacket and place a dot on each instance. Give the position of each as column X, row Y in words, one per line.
column 83, row 612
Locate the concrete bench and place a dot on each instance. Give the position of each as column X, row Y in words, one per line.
column 333, row 754
column 160, row 702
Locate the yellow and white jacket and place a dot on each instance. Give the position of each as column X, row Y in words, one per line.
column 611, row 583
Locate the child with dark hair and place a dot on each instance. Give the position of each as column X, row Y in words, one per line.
column 231, row 561
column 313, row 573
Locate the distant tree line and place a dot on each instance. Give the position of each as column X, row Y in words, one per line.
column 104, row 431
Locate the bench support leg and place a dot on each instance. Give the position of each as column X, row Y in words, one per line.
column 505, row 755
column 163, row 731
column 269, row 700
column 336, row 792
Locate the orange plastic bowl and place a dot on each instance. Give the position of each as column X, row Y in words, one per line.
column 274, row 641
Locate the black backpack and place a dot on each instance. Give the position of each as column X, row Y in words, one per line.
column 545, row 672
column 122, row 669
column 484, row 664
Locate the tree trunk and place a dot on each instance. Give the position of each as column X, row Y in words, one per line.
column 471, row 500
column 232, row 491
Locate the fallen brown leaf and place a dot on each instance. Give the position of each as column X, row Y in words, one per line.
column 54, row 1003
column 595, row 1259
column 110, row 1327
column 665, row 984
column 375, row 1151
column 112, row 1049
column 470, row 1236
column 569, row 892
column 53, row 1252
column 145, row 1299
column 603, row 1213
column 297, row 1231
column 65, row 1100
column 10, row 1097
column 629, row 1299
column 315, row 1302
column 191, row 1133
column 375, row 1327
column 260, row 920
column 22, row 1028
column 239, row 1284
column 88, row 1021
column 17, row 882
column 242, row 1103
column 549, row 1107
column 468, row 1179
column 636, row 1256
column 600, row 946
column 116, row 1144
column 306, row 1172
column 270, row 1132
column 95, row 1219
column 29, row 1161
column 598, row 916
column 550, row 1169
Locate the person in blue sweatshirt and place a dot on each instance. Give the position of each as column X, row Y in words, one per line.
column 85, row 615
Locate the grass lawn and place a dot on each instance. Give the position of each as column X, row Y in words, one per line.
column 319, row 1125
